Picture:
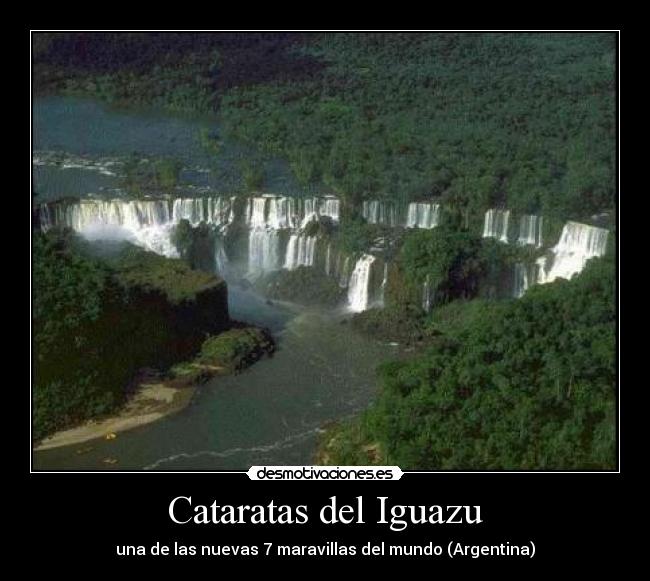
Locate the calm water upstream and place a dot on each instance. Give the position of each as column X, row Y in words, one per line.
column 270, row 414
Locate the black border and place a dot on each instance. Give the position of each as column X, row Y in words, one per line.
column 618, row 469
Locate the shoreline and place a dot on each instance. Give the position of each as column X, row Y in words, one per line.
column 156, row 397
column 151, row 402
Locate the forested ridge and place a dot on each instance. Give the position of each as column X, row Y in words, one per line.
column 525, row 121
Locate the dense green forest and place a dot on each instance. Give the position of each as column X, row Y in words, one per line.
column 525, row 121
column 494, row 384
column 519, row 121
column 520, row 384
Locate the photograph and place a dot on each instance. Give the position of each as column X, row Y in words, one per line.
column 324, row 249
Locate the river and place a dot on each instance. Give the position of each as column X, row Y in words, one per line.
column 273, row 412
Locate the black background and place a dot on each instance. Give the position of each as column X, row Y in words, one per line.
column 575, row 520
column 72, row 523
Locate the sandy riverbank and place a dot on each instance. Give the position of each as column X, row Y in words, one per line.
column 151, row 402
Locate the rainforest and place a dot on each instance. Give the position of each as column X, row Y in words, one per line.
column 332, row 248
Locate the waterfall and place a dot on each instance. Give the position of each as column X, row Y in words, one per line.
column 376, row 212
column 578, row 243
column 256, row 212
column 277, row 212
column 221, row 211
column 268, row 214
column 301, row 250
column 263, row 250
column 150, row 224
column 220, row 256
column 344, row 274
column 530, row 230
column 359, row 285
column 496, row 224
column 426, row 295
column 147, row 223
column 524, row 276
column 281, row 212
column 190, row 209
column 231, row 213
column 423, row 215
column 330, row 206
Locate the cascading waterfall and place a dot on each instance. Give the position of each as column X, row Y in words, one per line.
column 313, row 208
column 578, row 243
column 147, row 223
column 256, row 212
column 344, row 273
column 268, row 214
column 530, row 230
column 331, row 207
column 423, row 215
column 190, row 209
column 220, row 256
column 282, row 213
column 301, row 250
column 376, row 212
column 263, row 250
column 525, row 275
column 150, row 223
column 359, row 285
column 221, row 212
column 496, row 224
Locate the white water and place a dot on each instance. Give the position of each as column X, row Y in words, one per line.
column 106, row 166
column 220, row 256
column 578, row 243
column 530, row 230
column 301, row 250
column 263, row 250
column 359, row 285
column 280, row 212
column 331, row 207
column 376, row 212
column 147, row 223
column 496, row 224
column 256, row 212
column 525, row 275
column 190, row 209
column 423, row 215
